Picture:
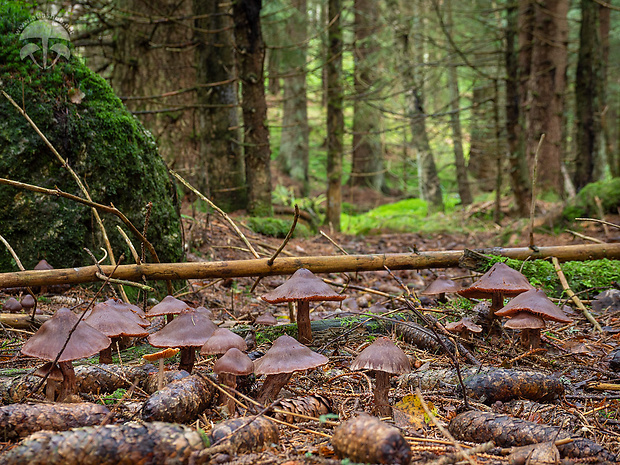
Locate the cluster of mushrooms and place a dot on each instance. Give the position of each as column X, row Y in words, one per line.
column 528, row 311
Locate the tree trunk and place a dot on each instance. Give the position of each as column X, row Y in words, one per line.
column 455, row 122
column 367, row 169
column 221, row 174
column 335, row 116
column 250, row 55
column 588, row 98
column 519, row 175
column 293, row 157
column 482, row 157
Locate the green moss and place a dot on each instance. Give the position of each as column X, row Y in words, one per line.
column 276, row 227
column 583, row 205
column 111, row 152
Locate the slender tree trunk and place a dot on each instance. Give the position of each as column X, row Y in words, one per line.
column 251, row 54
column 367, row 169
column 335, row 116
column 455, row 122
column 519, row 175
column 222, row 172
column 482, row 156
column 588, row 98
column 293, row 157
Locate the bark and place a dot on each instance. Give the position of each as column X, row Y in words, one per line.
column 381, row 391
column 294, row 148
column 222, row 173
column 288, row 265
column 250, row 55
column 272, row 385
column 304, row 330
column 482, row 157
column 367, row 169
column 22, row 321
column 335, row 116
column 589, row 87
column 519, row 175
column 455, row 122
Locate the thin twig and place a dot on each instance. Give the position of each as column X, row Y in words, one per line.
column 333, row 243
column 134, row 253
column 584, row 237
column 613, row 225
column 534, row 180
column 217, row 209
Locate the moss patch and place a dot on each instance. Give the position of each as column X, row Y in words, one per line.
column 584, row 205
column 113, row 154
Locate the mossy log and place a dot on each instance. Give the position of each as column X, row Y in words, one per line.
column 284, row 266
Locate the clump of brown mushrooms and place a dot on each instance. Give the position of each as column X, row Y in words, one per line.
column 440, row 287
column 189, row 331
column 528, row 312
column 302, row 287
column 465, row 328
column 499, row 282
column 52, row 336
column 385, row 359
column 232, row 364
column 285, row 357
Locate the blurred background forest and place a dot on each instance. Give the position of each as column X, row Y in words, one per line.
column 345, row 105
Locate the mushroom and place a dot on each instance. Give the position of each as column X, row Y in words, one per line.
column 499, row 282
column 159, row 357
column 188, row 331
column 440, row 287
column 11, row 305
column 54, row 379
column 168, row 306
column 113, row 324
column 535, row 303
column 278, row 364
column 232, row 364
column 51, row 337
column 302, row 288
column 384, row 358
column 464, row 327
column 28, row 303
column 133, row 312
column 221, row 341
column 126, row 306
column 266, row 319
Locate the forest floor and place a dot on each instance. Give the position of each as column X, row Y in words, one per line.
column 574, row 352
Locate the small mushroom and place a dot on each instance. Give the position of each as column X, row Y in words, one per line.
column 113, row 324
column 266, row 319
column 28, row 303
column 11, row 305
column 535, row 303
column 384, row 358
column 189, row 331
column 302, row 287
column 221, row 341
column 232, row 364
column 160, row 357
column 119, row 304
column 440, row 287
column 133, row 312
column 168, row 306
column 51, row 337
column 499, row 282
column 464, row 327
column 285, row 356
column 54, row 379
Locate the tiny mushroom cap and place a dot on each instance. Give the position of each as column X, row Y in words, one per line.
column 221, row 341
column 500, row 278
column 463, row 325
column 55, row 374
column 266, row 319
column 234, row 362
column 441, row 285
column 535, row 302
column 48, row 341
column 162, row 354
column 525, row 320
column 286, row 356
column 168, row 306
column 27, row 302
column 43, row 265
column 12, row 305
column 382, row 355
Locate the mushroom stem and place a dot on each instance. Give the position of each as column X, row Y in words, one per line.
column 382, row 387
column 160, row 375
column 230, row 381
column 272, row 386
column 530, row 338
column 304, row 329
column 51, row 389
column 497, row 302
column 105, row 356
column 188, row 356
column 69, row 382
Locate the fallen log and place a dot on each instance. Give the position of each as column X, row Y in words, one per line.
column 22, row 320
column 288, row 265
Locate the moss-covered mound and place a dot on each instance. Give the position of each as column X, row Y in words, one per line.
column 108, row 148
column 584, row 204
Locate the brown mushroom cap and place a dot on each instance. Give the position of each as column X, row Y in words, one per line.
column 500, row 278
column 27, row 301
column 168, row 306
column 234, row 362
column 286, row 356
column 302, row 285
column 119, row 304
column 125, row 311
column 189, row 329
column 536, row 302
column 441, row 285
column 11, row 305
column 43, row 265
column 55, row 374
column 51, row 336
column 266, row 319
column 382, row 355
column 525, row 320
column 113, row 323
column 464, row 324
column 221, row 341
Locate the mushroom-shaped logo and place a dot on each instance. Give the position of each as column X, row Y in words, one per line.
column 46, row 30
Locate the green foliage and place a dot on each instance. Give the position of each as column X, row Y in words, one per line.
column 584, row 204
column 114, row 397
column 276, row 227
column 271, row 334
column 581, row 276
